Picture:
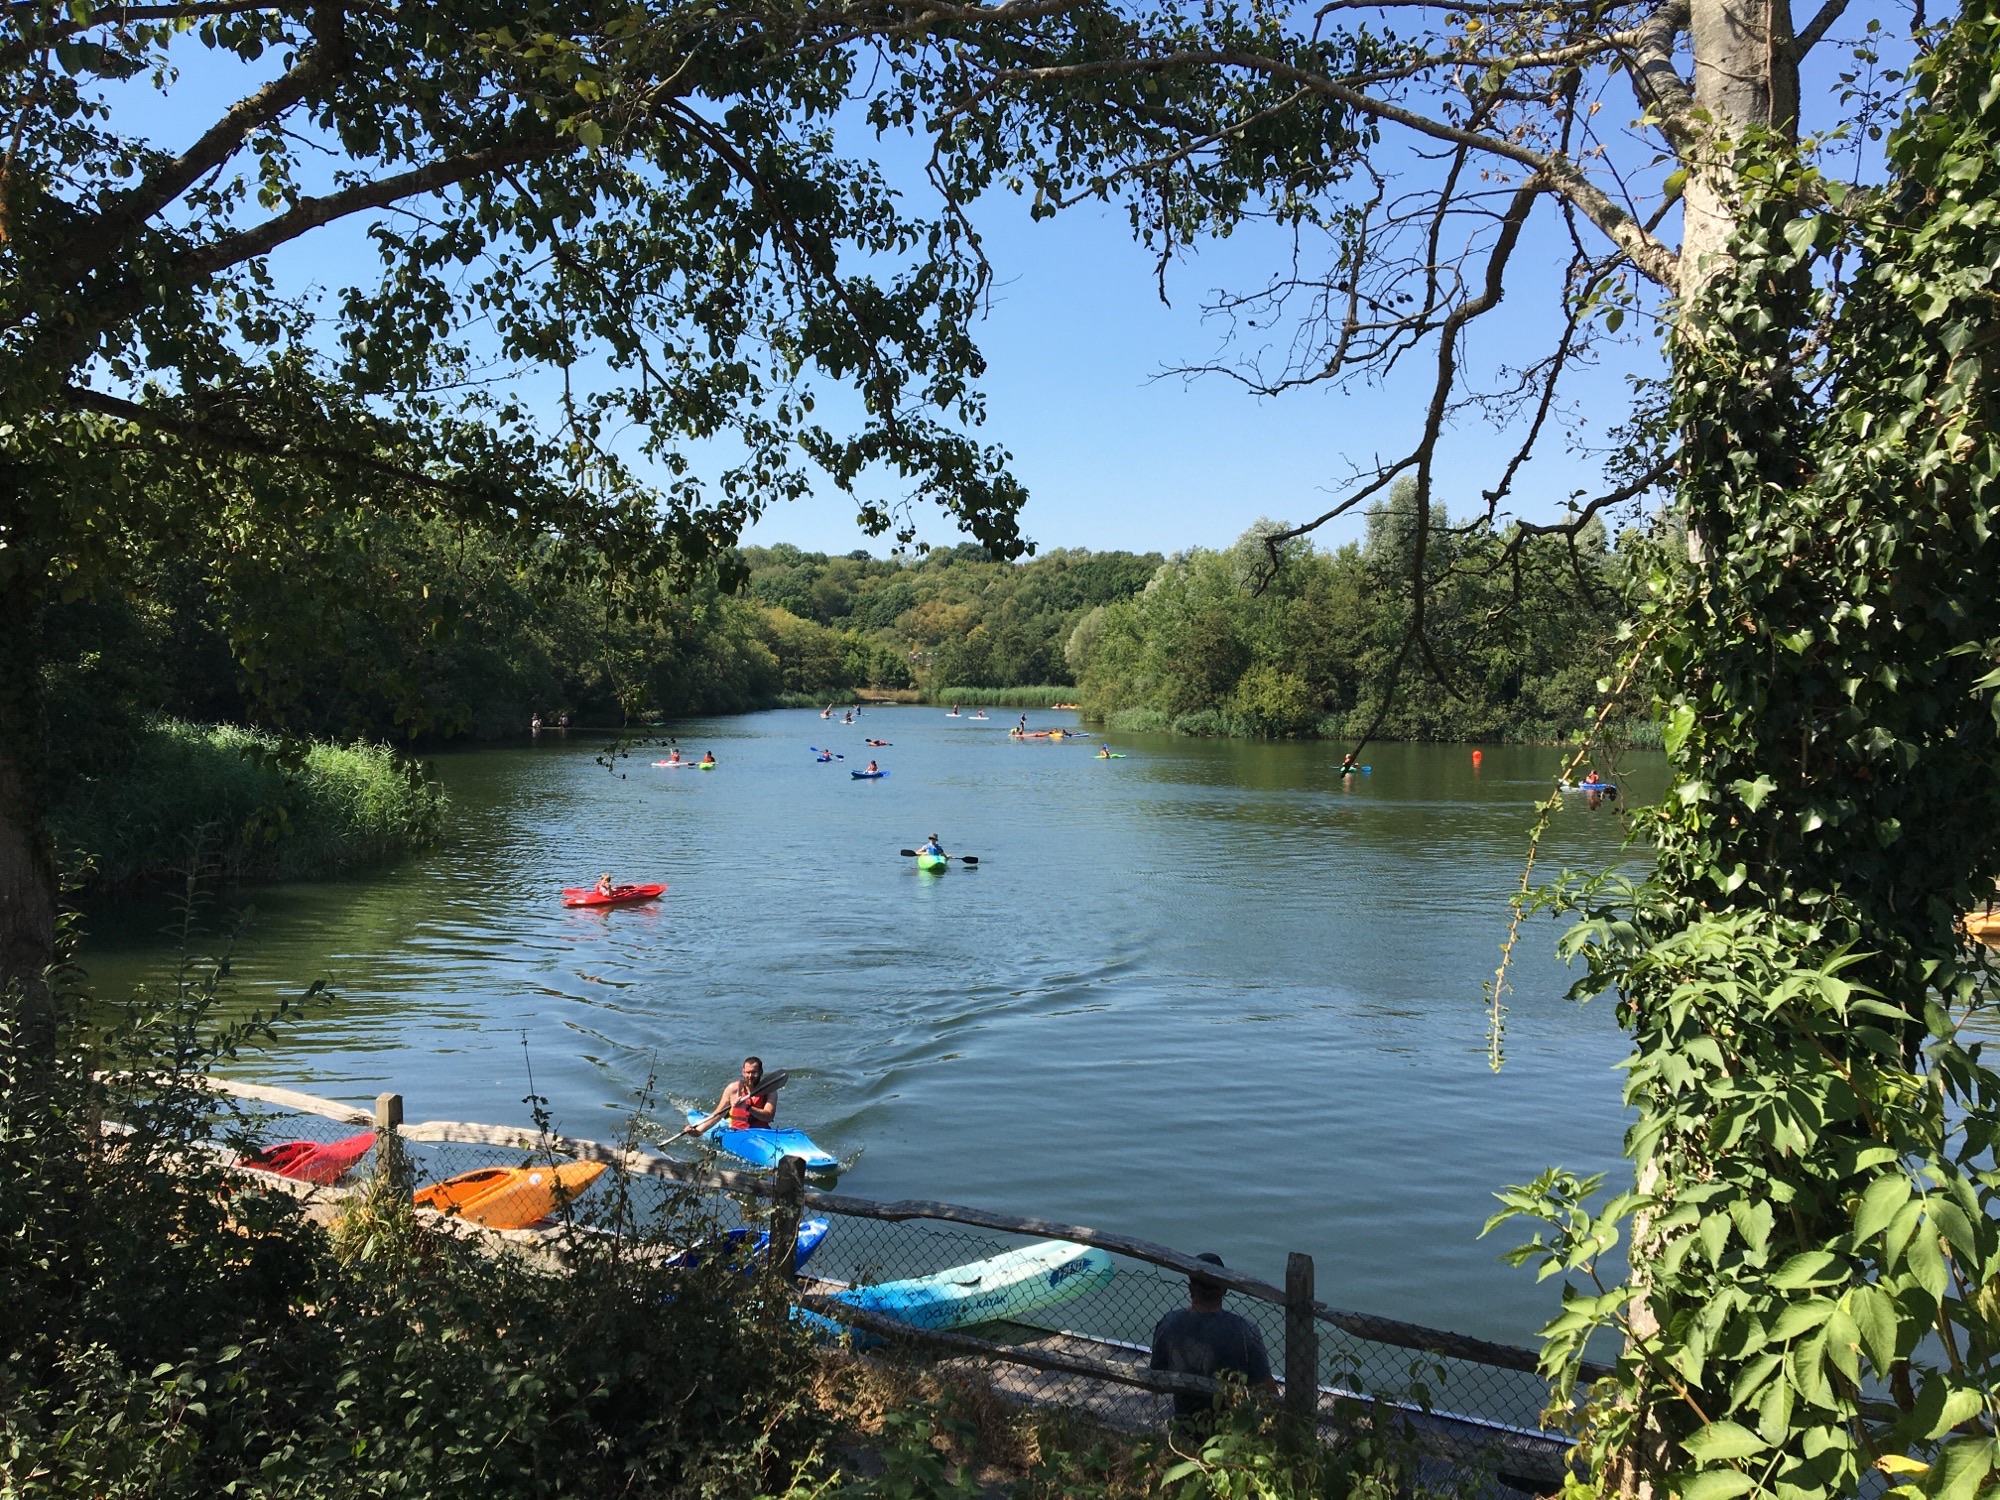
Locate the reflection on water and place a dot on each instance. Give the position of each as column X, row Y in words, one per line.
column 1210, row 993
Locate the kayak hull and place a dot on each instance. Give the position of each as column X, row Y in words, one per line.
column 510, row 1197
column 934, row 863
column 321, row 1162
column 867, row 775
column 738, row 1244
column 766, row 1148
column 624, row 895
column 1009, row 1285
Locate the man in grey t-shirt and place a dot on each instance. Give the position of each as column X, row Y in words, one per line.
column 1202, row 1339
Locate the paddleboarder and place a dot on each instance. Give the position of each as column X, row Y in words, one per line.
column 1204, row 1339
column 746, row 1107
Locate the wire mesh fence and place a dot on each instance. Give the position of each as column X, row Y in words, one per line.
column 1066, row 1317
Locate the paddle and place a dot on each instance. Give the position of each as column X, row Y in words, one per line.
column 969, row 859
column 770, row 1083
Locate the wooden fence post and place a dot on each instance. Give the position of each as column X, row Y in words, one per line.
column 786, row 1207
column 390, row 1161
column 1301, row 1344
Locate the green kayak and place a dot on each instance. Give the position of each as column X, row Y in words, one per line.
column 931, row 862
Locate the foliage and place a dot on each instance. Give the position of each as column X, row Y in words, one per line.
column 1041, row 695
column 1229, row 643
column 172, row 1331
column 215, row 794
column 1815, row 1226
column 953, row 619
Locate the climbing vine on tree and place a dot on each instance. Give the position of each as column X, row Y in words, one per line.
column 1816, row 1221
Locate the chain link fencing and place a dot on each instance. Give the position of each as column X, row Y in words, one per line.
column 1076, row 1333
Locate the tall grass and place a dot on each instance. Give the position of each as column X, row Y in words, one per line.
column 217, row 794
column 1043, row 695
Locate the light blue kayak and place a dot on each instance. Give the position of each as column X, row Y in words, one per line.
column 1007, row 1286
column 766, row 1148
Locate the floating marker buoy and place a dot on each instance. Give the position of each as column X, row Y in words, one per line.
column 1477, row 756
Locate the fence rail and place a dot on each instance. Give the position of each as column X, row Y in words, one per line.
column 1354, row 1362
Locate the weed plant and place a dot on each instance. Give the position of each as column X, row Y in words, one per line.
column 1040, row 696
column 169, row 1330
column 337, row 807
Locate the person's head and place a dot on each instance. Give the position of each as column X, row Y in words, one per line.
column 1202, row 1291
column 753, row 1069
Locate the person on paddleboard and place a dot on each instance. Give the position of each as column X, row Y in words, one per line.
column 746, row 1107
column 1204, row 1339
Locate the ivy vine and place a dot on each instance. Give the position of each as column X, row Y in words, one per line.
column 1814, row 1228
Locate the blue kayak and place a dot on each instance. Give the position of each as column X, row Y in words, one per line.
column 985, row 1291
column 1590, row 786
column 766, row 1148
column 738, row 1244
column 867, row 775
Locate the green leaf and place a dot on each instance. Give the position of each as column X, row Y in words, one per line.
column 1874, row 1314
column 1879, row 1204
column 1810, row 1268
column 1722, row 1440
column 1715, row 1484
column 1926, row 1257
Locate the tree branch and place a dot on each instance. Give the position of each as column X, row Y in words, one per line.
column 1658, row 85
column 1815, row 30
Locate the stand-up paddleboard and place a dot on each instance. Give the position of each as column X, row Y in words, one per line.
column 509, row 1197
column 739, row 1245
column 323, row 1162
column 766, row 1148
column 622, row 895
column 1007, row 1286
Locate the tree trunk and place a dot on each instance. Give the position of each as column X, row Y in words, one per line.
column 27, row 872
column 1745, row 77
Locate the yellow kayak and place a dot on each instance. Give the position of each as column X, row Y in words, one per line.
column 509, row 1197
column 1984, row 927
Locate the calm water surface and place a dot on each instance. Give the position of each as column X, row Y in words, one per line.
column 1207, row 994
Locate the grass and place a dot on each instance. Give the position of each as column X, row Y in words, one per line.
column 221, row 797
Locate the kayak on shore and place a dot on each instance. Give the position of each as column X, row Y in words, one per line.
column 1004, row 1286
column 509, row 1197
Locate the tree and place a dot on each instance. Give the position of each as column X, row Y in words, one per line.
column 644, row 202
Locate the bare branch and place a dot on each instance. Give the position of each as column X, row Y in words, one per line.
column 1815, row 30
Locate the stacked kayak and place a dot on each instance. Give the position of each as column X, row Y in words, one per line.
column 739, row 1245
column 766, row 1148
column 622, row 895
column 1005, row 1286
column 323, row 1162
column 509, row 1197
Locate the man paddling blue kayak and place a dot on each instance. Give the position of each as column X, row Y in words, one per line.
column 750, row 1103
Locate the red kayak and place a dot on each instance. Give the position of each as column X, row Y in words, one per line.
column 323, row 1162
column 621, row 895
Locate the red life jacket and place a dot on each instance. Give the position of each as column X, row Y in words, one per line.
column 739, row 1112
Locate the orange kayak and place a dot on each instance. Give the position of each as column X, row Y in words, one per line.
column 509, row 1197
column 1984, row 927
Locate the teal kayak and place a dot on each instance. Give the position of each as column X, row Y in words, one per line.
column 932, row 862
column 766, row 1148
column 986, row 1291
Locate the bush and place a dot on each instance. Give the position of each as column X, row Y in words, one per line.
column 224, row 796
column 172, row 1331
column 1042, row 695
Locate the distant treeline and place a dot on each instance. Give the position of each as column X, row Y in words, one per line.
column 1225, row 643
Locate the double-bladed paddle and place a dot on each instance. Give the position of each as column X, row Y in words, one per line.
column 966, row 859
column 770, row 1083
column 824, row 754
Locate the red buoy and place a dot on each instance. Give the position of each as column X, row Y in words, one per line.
column 1477, row 756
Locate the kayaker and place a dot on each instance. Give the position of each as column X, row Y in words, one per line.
column 535, row 724
column 747, row 1109
column 604, row 885
column 871, row 768
column 707, row 758
column 1593, row 779
column 1347, row 765
column 1204, row 1339
column 933, row 848
column 1104, row 752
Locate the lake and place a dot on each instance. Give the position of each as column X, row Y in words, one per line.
column 1210, row 994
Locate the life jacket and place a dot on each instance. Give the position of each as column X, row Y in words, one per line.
column 739, row 1112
